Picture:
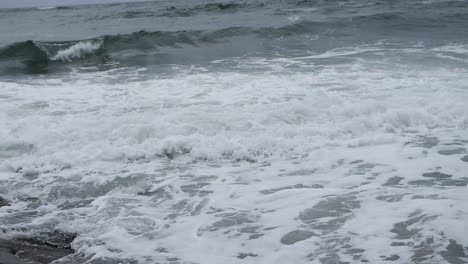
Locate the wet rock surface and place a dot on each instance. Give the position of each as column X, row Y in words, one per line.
column 37, row 250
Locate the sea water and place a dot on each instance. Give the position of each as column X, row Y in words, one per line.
column 236, row 132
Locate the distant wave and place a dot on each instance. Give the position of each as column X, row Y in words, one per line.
column 30, row 52
column 173, row 11
column 46, row 8
column 37, row 52
column 137, row 48
column 206, row 8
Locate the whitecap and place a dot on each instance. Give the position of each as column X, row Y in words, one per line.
column 77, row 51
column 46, row 7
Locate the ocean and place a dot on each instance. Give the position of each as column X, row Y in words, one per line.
column 208, row 132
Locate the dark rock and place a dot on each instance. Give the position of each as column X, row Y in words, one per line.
column 7, row 256
column 22, row 252
column 56, row 239
column 38, row 250
column 465, row 158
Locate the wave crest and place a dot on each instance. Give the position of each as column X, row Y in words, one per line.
column 77, row 51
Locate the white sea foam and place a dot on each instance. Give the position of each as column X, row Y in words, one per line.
column 46, row 8
column 77, row 50
column 279, row 164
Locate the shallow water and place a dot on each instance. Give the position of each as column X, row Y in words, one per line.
column 315, row 132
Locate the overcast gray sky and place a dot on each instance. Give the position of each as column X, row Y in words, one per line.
column 44, row 3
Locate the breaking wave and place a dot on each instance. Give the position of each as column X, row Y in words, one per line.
column 77, row 50
column 112, row 47
column 157, row 47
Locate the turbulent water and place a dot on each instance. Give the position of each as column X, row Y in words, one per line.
column 235, row 132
